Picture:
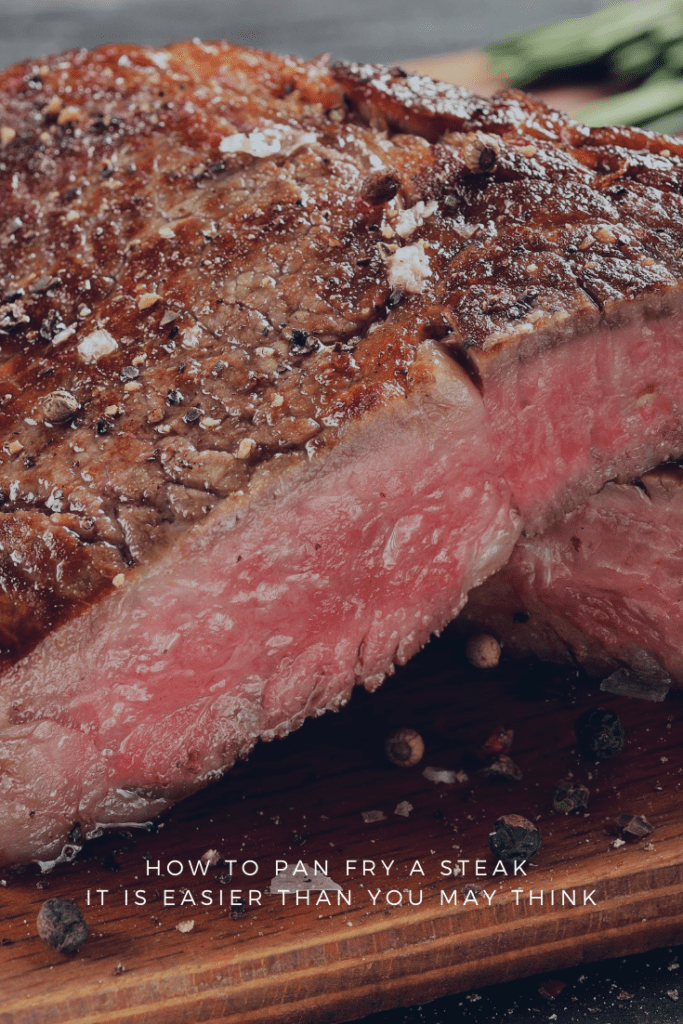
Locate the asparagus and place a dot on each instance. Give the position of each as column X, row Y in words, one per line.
column 640, row 42
column 638, row 106
column 524, row 58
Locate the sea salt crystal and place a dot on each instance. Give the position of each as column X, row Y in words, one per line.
column 94, row 346
column 263, row 142
column 370, row 816
column 404, row 808
column 408, row 268
column 302, row 878
column 405, row 222
column 185, row 926
column 440, row 775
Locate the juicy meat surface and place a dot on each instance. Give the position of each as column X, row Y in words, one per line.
column 602, row 587
column 291, row 354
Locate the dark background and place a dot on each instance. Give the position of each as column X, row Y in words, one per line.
column 369, row 30
column 632, row 990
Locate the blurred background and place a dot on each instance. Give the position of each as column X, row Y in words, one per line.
column 367, row 30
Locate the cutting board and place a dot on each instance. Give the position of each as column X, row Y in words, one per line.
column 327, row 794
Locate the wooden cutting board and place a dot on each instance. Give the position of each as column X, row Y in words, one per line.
column 306, row 799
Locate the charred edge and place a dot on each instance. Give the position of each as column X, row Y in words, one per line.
column 460, row 354
column 588, row 292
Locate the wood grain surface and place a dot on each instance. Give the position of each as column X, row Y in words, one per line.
column 302, row 799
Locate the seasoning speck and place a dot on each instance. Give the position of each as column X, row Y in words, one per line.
column 129, row 373
column 7, row 135
column 185, row 926
column 119, row 580
column 61, row 924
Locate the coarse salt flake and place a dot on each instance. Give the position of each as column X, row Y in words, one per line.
column 68, row 115
column 263, row 142
column 245, row 448
column 119, row 580
column 190, row 337
column 185, row 926
column 407, row 221
column 404, row 808
column 444, row 775
column 370, row 816
column 96, row 345
column 64, row 334
column 147, row 300
column 408, row 268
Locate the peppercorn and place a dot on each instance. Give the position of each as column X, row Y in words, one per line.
column 600, row 733
column 633, row 827
column 483, row 651
column 59, row 406
column 61, row 924
column 404, row 747
column 569, row 796
column 480, row 152
column 380, row 187
column 514, row 838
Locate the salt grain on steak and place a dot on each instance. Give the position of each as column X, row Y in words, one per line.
column 394, row 445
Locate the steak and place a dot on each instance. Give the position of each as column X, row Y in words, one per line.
column 600, row 588
column 292, row 352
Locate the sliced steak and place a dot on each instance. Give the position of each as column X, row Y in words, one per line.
column 602, row 588
column 292, row 353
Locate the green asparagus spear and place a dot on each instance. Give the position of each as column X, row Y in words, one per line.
column 637, row 106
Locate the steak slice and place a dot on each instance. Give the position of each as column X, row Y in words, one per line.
column 292, row 353
column 602, row 588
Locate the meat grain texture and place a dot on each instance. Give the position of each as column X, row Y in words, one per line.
column 264, row 422
column 602, row 588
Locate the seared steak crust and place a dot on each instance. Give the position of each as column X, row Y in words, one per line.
column 187, row 251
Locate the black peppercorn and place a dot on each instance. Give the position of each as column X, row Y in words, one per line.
column 600, row 733
column 380, row 187
column 514, row 838
column 570, row 796
column 129, row 373
column 61, row 924
column 174, row 397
